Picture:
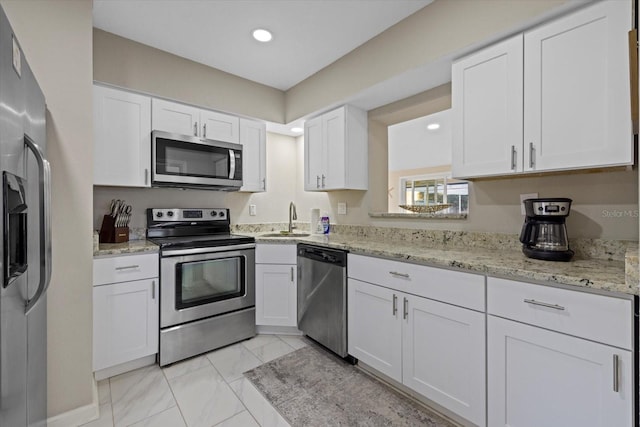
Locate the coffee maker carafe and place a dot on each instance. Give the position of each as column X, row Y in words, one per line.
column 544, row 232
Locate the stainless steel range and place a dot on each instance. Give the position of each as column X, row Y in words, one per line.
column 207, row 281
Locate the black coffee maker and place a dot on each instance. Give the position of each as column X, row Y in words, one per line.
column 544, row 233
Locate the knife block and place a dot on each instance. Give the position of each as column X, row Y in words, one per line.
column 109, row 233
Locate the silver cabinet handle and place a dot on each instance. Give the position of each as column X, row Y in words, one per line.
column 395, row 273
column 406, row 308
column 292, row 274
column 317, row 181
column 264, row 184
column 323, row 178
column 532, row 155
column 146, row 176
column 514, row 154
column 195, row 129
column 204, row 130
column 544, row 304
column 153, row 289
column 616, row 373
column 44, row 199
column 395, row 304
column 127, row 267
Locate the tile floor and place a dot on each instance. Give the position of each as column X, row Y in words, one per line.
column 205, row 391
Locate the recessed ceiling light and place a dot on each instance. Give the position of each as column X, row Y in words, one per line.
column 433, row 126
column 262, row 35
column 296, row 130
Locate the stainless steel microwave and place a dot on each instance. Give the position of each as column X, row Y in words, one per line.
column 191, row 162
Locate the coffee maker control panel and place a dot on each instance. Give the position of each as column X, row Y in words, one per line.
column 542, row 207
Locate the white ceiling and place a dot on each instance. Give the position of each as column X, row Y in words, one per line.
column 308, row 34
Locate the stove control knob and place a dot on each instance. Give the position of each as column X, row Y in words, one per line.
column 159, row 214
column 170, row 213
column 214, row 213
column 221, row 214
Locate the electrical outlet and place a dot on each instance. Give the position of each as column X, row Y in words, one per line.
column 524, row 197
column 342, row 208
column 252, row 210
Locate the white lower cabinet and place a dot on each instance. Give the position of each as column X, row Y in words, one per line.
column 125, row 310
column 434, row 348
column 558, row 357
column 276, row 285
column 539, row 377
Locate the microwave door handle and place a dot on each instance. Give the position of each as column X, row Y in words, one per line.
column 232, row 164
column 44, row 199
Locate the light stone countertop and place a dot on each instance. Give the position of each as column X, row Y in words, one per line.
column 130, row 247
column 598, row 274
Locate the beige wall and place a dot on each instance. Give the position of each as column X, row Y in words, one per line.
column 434, row 32
column 128, row 64
column 56, row 39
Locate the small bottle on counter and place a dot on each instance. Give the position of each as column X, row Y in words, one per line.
column 325, row 223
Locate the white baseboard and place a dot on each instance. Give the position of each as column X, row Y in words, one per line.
column 78, row 416
column 125, row 367
column 278, row 330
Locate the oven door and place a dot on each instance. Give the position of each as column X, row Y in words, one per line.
column 195, row 285
column 180, row 160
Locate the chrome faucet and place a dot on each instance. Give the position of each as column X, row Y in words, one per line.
column 292, row 216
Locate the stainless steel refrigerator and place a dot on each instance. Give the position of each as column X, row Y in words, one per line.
column 25, row 253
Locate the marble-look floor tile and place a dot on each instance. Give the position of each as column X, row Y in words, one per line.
column 260, row 408
column 184, row 367
column 139, row 394
column 105, row 419
column 259, row 341
column 295, row 341
column 273, row 350
column 204, row 398
column 169, row 418
column 243, row 419
column 232, row 361
column 104, row 392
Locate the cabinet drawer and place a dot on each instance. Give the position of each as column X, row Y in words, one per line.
column 124, row 268
column 276, row 254
column 454, row 287
column 596, row 317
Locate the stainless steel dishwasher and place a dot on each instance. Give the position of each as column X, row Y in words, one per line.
column 322, row 296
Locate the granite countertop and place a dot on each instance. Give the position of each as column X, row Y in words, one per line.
column 600, row 274
column 130, row 247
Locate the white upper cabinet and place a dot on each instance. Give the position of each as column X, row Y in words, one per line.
column 576, row 89
column 567, row 108
column 336, row 151
column 487, row 120
column 184, row 119
column 254, row 150
column 122, row 138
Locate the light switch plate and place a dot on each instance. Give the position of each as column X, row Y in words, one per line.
column 524, row 197
column 252, row 210
column 342, row 208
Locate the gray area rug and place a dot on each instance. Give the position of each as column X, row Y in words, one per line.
column 311, row 387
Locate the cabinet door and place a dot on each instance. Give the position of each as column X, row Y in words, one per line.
column 541, row 378
column 487, row 98
column 254, row 160
column 333, row 153
column 175, row 118
column 125, row 322
column 219, row 126
column 313, row 154
column 444, row 355
column 375, row 327
column 576, row 89
column 122, row 138
column 276, row 295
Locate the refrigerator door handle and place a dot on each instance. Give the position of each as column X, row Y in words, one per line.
column 44, row 185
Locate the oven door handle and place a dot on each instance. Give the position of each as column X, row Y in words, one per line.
column 208, row 249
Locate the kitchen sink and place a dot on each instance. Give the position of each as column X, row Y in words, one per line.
column 285, row 234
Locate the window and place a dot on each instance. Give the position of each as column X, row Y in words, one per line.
column 435, row 190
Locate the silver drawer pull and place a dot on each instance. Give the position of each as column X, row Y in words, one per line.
column 395, row 273
column 127, row 267
column 544, row 304
column 616, row 370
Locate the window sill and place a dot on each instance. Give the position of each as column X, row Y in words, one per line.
column 401, row 215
